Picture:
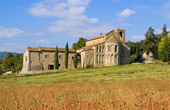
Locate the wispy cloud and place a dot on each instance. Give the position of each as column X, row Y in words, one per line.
column 12, row 47
column 69, row 10
column 15, row 32
column 10, row 32
column 126, row 13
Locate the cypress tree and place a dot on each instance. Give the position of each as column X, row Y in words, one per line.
column 56, row 58
column 75, row 60
column 66, row 55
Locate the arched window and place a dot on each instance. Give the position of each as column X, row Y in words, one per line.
column 103, row 49
column 115, row 48
column 97, row 49
column 100, row 49
column 121, row 34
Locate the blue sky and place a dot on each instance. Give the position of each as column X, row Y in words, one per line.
column 48, row 23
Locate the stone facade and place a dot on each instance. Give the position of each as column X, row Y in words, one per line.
column 105, row 50
column 42, row 58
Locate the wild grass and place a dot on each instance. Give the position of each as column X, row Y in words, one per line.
column 127, row 87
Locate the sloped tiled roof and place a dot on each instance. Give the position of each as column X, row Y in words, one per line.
column 48, row 49
column 101, row 36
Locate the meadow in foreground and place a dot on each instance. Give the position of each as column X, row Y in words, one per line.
column 143, row 86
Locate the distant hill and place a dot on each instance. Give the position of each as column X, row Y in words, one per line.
column 3, row 54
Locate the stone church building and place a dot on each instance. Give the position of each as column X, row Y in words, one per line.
column 105, row 50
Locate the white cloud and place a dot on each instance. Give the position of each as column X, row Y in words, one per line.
column 69, row 10
column 12, row 47
column 59, row 8
column 70, row 18
column 70, row 15
column 15, row 32
column 42, row 42
column 138, row 37
column 126, row 13
column 10, row 32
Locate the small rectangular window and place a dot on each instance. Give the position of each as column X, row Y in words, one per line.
column 59, row 56
column 46, row 56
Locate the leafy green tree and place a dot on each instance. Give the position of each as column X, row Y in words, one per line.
column 81, row 43
column 66, row 55
column 151, row 43
column 164, row 49
column 132, row 46
column 56, row 58
column 8, row 63
column 75, row 60
column 160, row 48
column 18, row 62
column 133, row 58
column 164, row 31
column 138, row 56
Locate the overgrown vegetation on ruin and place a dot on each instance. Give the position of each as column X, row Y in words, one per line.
column 142, row 86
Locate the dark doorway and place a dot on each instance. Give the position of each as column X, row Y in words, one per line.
column 50, row 67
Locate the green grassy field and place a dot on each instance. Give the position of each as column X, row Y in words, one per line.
column 138, row 86
column 104, row 74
